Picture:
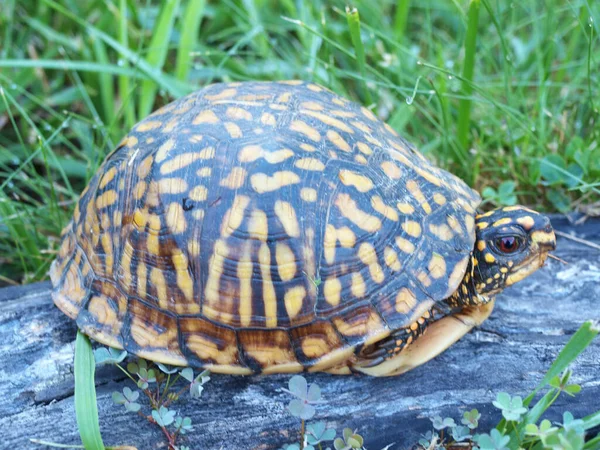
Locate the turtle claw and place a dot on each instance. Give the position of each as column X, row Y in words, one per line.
column 378, row 352
column 373, row 362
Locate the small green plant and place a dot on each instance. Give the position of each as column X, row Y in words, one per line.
column 349, row 440
column 511, row 407
column 503, row 196
column 519, row 427
column 315, row 434
column 306, row 396
column 318, row 433
column 157, row 382
column 567, row 435
column 567, row 170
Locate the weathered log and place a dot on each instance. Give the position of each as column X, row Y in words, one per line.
column 510, row 352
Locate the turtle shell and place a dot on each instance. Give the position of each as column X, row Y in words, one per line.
column 261, row 227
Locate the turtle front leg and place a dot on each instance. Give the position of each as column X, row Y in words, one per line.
column 423, row 340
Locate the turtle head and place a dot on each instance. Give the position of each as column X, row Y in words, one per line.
column 511, row 244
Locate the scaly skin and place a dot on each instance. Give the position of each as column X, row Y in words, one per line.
column 489, row 272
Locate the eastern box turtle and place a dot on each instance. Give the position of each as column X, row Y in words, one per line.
column 266, row 227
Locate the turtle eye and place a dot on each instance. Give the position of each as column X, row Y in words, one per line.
column 508, row 244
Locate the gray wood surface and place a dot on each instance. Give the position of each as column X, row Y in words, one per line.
column 510, row 352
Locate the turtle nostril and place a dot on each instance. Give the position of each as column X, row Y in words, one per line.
column 549, row 245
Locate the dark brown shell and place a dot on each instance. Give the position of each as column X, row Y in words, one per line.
column 261, row 227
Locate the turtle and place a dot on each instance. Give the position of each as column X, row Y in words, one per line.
column 276, row 227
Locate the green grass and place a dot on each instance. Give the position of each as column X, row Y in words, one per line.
column 514, row 97
column 86, row 408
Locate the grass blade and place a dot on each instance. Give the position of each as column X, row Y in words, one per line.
column 169, row 84
column 589, row 74
column 592, row 444
column 105, row 83
column 80, row 66
column 577, row 344
column 541, row 406
column 8, row 19
column 400, row 19
column 125, row 90
column 189, row 37
column 254, row 11
column 464, row 108
column 591, row 421
column 157, row 53
column 354, row 24
column 86, row 408
column 52, row 35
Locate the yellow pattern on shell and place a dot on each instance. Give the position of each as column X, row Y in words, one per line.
column 308, row 194
column 175, row 218
column 235, row 179
column 286, row 261
column 269, row 294
column 261, row 182
column 328, row 120
column 405, row 301
column 349, row 209
column 244, row 274
column 287, row 216
column 332, row 289
column 258, row 225
column 235, row 215
column 360, row 182
column 358, row 285
column 308, row 131
column 206, row 116
column 293, row 300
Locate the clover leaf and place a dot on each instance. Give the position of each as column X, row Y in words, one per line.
column 493, row 441
column 128, row 399
column 318, row 432
column 103, row 355
column 146, row 376
column 569, row 440
column 440, row 424
column 163, row 416
column 300, row 409
column 351, row 440
column 544, row 430
column 197, row 384
column 460, row 433
column 562, row 384
column 302, row 406
column 570, row 423
column 165, row 368
column 428, row 440
column 512, row 407
column 183, row 424
column 188, row 374
column 134, row 367
column 471, row 419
